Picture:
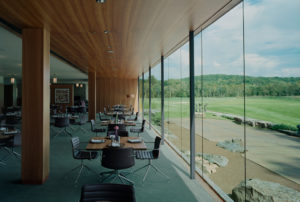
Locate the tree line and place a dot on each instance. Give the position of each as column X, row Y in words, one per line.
column 220, row 85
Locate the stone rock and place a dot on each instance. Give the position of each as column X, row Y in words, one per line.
column 207, row 166
column 234, row 145
column 221, row 161
column 210, row 161
column 258, row 190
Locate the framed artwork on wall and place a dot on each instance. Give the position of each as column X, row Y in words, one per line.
column 62, row 95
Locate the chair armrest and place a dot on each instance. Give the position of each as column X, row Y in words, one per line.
column 148, row 142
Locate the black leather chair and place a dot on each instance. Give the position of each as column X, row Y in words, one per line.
column 138, row 130
column 117, row 159
column 81, row 110
column 111, row 127
column 81, row 154
column 101, row 117
column 149, row 155
column 7, row 144
column 82, row 121
column 63, row 123
column 11, row 119
column 135, row 118
column 71, row 110
column 107, row 192
column 96, row 130
column 121, row 133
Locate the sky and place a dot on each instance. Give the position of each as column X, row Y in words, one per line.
column 272, row 43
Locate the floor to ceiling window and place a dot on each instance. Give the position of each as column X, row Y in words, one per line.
column 140, row 95
column 247, row 97
column 250, row 107
column 146, row 96
column 177, row 99
column 156, row 97
column 272, row 41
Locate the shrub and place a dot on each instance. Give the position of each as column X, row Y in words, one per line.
column 283, row 127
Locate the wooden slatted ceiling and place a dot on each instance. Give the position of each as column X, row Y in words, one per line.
column 140, row 30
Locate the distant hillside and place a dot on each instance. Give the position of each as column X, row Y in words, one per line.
column 219, row 85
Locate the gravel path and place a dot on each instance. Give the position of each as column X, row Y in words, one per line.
column 275, row 151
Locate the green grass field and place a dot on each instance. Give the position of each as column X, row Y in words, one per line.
column 279, row 110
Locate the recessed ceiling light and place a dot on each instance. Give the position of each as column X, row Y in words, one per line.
column 110, row 51
column 100, row 1
column 106, row 31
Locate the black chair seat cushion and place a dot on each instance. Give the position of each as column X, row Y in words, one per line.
column 144, row 154
column 86, row 155
column 108, row 192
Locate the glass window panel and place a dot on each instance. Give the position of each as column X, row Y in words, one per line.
column 198, row 103
column 223, row 107
column 272, row 90
column 140, row 95
column 156, row 97
column 146, row 101
column 184, row 95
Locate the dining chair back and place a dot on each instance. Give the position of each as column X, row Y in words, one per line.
column 117, row 159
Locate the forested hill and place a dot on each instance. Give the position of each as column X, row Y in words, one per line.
column 219, row 85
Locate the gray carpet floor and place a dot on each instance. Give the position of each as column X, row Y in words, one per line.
column 61, row 187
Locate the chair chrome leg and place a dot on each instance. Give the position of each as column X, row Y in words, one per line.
column 125, row 178
column 68, row 133
column 58, row 133
column 83, row 168
column 158, row 170
column 77, row 178
column 91, row 170
column 140, row 168
column 146, row 173
column 114, row 178
column 83, row 129
column 73, row 169
column 103, row 179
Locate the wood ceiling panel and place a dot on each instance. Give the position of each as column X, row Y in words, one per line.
column 140, row 31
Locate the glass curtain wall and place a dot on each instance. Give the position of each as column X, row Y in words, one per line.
column 156, row 97
column 177, row 99
column 223, row 100
column 273, row 91
column 166, row 96
column 140, row 95
column 146, row 101
column 255, row 106
column 250, row 107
